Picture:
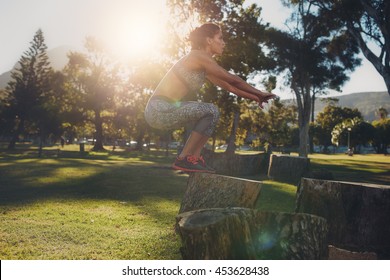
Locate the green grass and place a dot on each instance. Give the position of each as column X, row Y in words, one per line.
column 277, row 196
column 369, row 168
column 116, row 205
column 89, row 206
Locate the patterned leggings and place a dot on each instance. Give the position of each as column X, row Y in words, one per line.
column 162, row 113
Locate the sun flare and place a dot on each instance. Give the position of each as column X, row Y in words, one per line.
column 138, row 37
column 137, row 33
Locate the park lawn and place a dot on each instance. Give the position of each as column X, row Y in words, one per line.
column 370, row 168
column 110, row 205
column 90, row 206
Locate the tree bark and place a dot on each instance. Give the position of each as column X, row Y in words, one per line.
column 98, row 146
column 140, row 135
column 40, row 149
column 206, row 190
column 288, row 168
column 239, row 233
column 304, row 107
column 232, row 139
column 358, row 214
column 235, row 164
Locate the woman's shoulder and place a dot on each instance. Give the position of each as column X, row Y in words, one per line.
column 199, row 58
column 198, row 54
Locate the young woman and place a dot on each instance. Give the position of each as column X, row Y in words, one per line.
column 167, row 108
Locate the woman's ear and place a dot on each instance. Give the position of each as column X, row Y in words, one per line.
column 208, row 40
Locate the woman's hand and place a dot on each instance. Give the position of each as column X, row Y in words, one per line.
column 263, row 97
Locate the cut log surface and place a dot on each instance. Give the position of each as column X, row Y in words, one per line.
column 358, row 214
column 241, row 233
column 206, row 190
column 341, row 254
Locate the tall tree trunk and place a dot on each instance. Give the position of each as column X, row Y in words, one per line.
column 304, row 109
column 140, row 135
column 386, row 77
column 40, row 149
column 99, row 132
column 15, row 136
column 304, row 139
column 313, row 104
column 231, row 145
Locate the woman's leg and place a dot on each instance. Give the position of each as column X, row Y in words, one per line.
column 194, row 145
column 190, row 157
column 204, row 116
column 167, row 116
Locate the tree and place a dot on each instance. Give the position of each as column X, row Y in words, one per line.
column 382, row 113
column 368, row 23
column 5, row 124
column 361, row 133
column 28, row 89
column 274, row 127
column 328, row 119
column 49, row 116
column 315, row 56
column 92, row 82
column 382, row 139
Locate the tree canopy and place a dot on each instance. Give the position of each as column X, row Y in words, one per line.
column 316, row 57
column 368, row 23
column 28, row 99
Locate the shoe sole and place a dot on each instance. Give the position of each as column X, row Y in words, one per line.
column 191, row 170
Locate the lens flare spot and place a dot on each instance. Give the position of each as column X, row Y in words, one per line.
column 265, row 241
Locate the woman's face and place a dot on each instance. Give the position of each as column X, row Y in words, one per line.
column 217, row 44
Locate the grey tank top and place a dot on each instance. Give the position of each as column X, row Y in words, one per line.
column 194, row 80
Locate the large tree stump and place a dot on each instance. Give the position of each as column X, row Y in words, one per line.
column 288, row 168
column 358, row 214
column 239, row 233
column 206, row 190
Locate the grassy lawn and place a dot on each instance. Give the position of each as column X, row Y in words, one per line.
column 117, row 205
column 89, row 206
column 369, row 168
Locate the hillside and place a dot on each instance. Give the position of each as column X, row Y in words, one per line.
column 366, row 102
column 4, row 79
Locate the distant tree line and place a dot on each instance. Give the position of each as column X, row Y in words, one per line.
column 96, row 96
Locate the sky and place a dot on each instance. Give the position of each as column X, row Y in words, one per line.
column 68, row 22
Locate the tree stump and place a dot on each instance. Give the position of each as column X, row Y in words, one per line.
column 342, row 254
column 240, row 233
column 358, row 214
column 206, row 190
column 236, row 165
column 288, row 169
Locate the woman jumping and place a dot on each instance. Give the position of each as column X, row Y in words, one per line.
column 167, row 109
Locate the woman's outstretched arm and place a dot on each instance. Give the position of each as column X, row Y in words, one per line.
column 230, row 82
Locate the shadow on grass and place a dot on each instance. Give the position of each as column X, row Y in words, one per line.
column 125, row 177
column 359, row 172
